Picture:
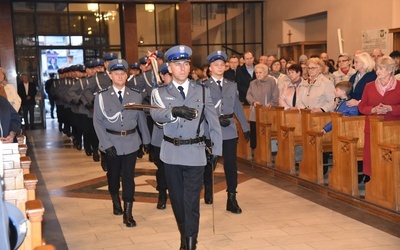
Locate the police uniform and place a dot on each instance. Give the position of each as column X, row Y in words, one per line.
column 156, row 139
column 224, row 95
column 99, row 81
column 182, row 148
column 116, row 129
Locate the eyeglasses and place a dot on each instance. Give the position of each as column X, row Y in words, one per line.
column 312, row 68
column 340, row 61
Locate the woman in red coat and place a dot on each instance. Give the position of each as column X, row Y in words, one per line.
column 380, row 97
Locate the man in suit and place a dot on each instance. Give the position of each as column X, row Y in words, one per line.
column 27, row 91
column 230, row 74
column 119, row 140
column 244, row 75
column 224, row 97
column 183, row 146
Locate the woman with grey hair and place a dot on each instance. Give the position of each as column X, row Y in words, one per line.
column 317, row 93
column 263, row 91
column 364, row 64
column 380, row 97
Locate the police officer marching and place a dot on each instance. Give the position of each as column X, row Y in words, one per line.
column 156, row 139
column 116, row 129
column 224, row 95
column 183, row 105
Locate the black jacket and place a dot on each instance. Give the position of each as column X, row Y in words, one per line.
column 243, row 79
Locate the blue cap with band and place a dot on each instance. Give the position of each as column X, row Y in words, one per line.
column 118, row 64
column 143, row 60
column 217, row 55
column 110, row 56
column 178, row 53
column 134, row 65
column 163, row 68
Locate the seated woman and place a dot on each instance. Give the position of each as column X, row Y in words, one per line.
column 318, row 93
column 10, row 123
column 329, row 69
column 364, row 65
column 262, row 91
column 287, row 98
column 345, row 71
column 380, row 97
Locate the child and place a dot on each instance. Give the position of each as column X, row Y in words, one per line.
column 342, row 90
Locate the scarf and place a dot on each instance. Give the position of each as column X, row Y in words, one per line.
column 389, row 86
column 275, row 74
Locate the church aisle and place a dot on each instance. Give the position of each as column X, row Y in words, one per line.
column 276, row 214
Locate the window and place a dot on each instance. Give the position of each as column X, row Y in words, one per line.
column 233, row 27
column 156, row 27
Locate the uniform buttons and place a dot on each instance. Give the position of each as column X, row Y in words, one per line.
column 181, row 126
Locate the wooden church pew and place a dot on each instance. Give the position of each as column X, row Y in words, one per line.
column 384, row 187
column 289, row 136
column 347, row 148
column 243, row 147
column 314, row 144
column 266, row 126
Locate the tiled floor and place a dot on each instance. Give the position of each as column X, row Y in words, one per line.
column 276, row 214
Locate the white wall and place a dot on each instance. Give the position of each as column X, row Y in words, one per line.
column 350, row 16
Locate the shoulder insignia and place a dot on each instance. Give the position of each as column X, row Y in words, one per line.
column 162, row 86
column 134, row 89
column 103, row 90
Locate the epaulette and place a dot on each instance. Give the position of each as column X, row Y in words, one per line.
column 162, row 86
column 135, row 89
column 103, row 90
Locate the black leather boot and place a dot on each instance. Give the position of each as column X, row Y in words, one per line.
column 181, row 228
column 191, row 243
column 232, row 204
column 208, row 194
column 128, row 218
column 103, row 162
column 117, row 209
column 96, row 156
column 162, row 199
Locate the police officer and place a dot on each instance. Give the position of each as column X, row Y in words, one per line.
column 134, row 70
column 119, row 140
column 225, row 97
column 156, row 139
column 182, row 106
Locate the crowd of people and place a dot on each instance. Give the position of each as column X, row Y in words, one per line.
column 183, row 116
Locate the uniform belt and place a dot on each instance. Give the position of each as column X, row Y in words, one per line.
column 226, row 116
column 121, row 133
column 178, row 142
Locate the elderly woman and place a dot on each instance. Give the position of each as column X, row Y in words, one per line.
column 10, row 123
column 317, row 93
column 287, row 98
column 8, row 91
column 380, row 97
column 364, row 65
column 345, row 71
column 262, row 91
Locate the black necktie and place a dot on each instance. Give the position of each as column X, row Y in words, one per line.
column 294, row 98
column 181, row 91
column 219, row 85
column 120, row 96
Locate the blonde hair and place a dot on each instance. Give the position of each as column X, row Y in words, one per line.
column 366, row 59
